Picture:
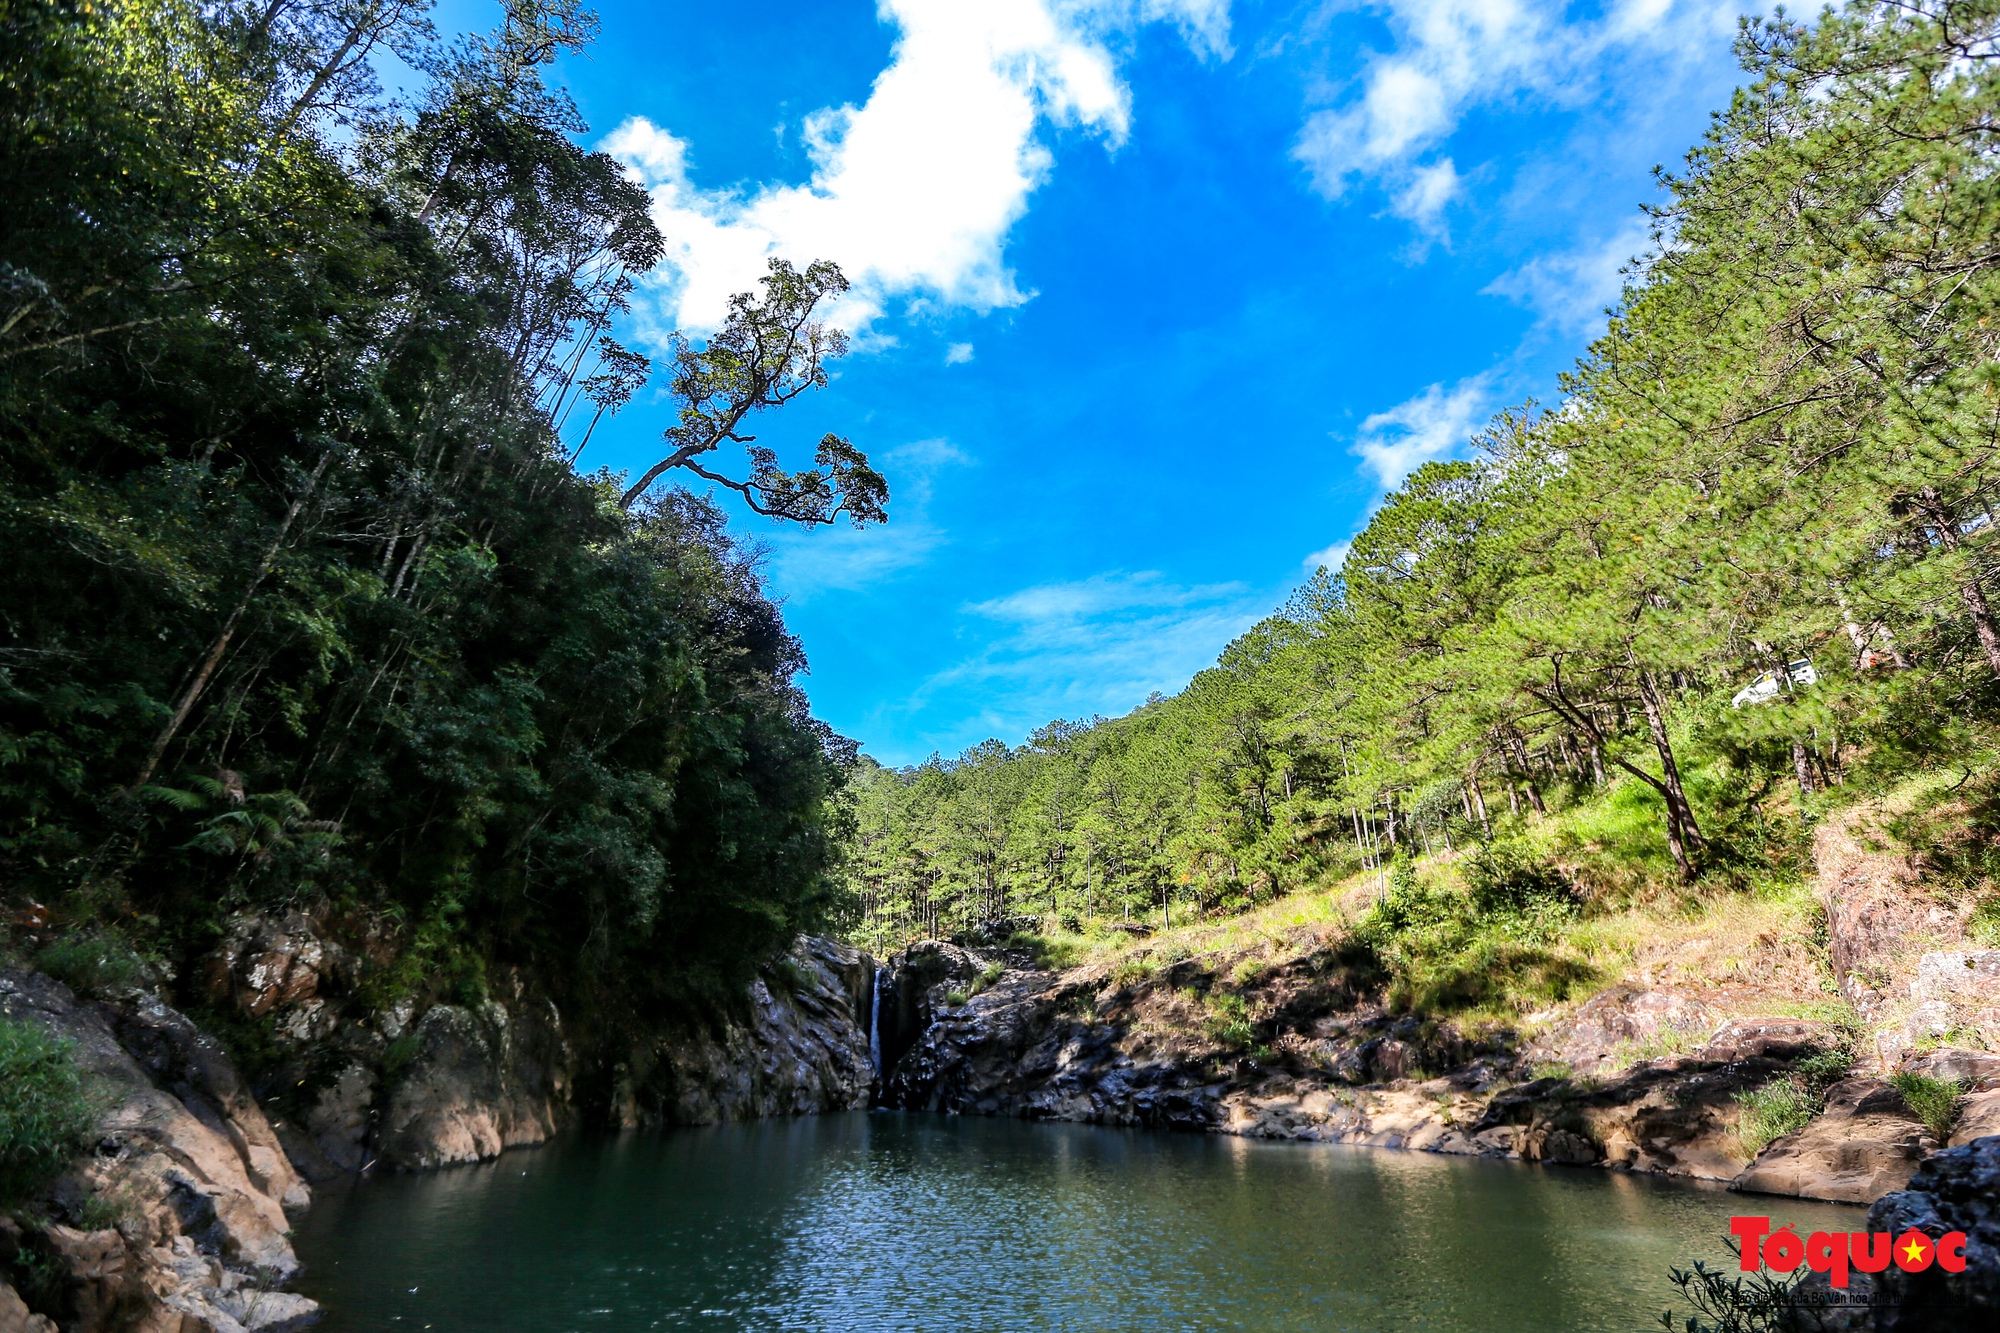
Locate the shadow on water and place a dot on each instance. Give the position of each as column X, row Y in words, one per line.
column 887, row 1221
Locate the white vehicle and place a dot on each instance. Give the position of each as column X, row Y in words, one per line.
column 1773, row 683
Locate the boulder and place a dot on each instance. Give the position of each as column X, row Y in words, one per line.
column 1978, row 1118
column 16, row 1317
column 1763, row 1039
column 185, row 1159
column 1955, row 1190
column 1622, row 1025
column 478, row 1081
column 1864, row 1144
column 1970, row 976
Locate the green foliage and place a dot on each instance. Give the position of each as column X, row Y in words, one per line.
column 1787, row 1105
column 93, row 963
column 45, row 1116
column 1935, row 1101
column 1732, row 1303
column 1228, row 1021
column 309, row 605
column 1494, row 952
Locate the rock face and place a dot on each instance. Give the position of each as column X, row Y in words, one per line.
column 418, row 1087
column 1609, row 1029
column 1863, row 1145
column 802, row 1049
column 181, row 1213
column 1334, row 1067
column 187, row 1168
column 478, row 1082
column 1957, row 1190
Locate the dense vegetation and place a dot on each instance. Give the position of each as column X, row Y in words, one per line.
column 1779, row 455
column 306, row 605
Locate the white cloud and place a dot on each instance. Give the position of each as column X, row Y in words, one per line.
column 850, row 559
column 1423, row 199
column 1053, row 608
column 1570, row 291
column 1095, row 645
column 1331, row 557
column 913, row 192
column 1397, row 442
column 1450, row 56
column 958, row 354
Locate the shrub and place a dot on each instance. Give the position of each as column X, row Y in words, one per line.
column 1131, row 971
column 1727, row 1303
column 92, row 964
column 1228, row 1021
column 45, row 1119
column 1769, row 1113
column 1787, row 1105
column 1933, row 1100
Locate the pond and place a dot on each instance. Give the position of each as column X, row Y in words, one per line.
column 890, row 1221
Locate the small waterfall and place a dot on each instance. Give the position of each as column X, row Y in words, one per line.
column 875, row 1025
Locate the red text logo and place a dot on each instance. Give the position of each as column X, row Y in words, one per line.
column 1835, row 1253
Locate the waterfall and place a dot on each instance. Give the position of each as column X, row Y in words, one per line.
column 875, row 1025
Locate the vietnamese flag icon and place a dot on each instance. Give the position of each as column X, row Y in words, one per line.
column 1913, row 1251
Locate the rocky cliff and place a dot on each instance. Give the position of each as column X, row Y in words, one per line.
column 1290, row 1038
column 415, row 1087
column 178, row 1220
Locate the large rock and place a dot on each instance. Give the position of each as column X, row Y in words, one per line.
column 1864, row 1144
column 1956, row 1190
column 185, row 1159
column 478, row 1081
column 16, row 1317
column 1978, row 1118
column 1879, row 918
column 799, row 1047
column 1622, row 1025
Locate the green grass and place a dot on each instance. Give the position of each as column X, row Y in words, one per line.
column 45, row 1117
column 1771, row 1112
column 1934, row 1101
column 1228, row 1021
column 1787, row 1105
column 92, row 964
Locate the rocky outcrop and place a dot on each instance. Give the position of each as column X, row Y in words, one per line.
column 478, row 1081
column 800, row 1048
column 414, row 1086
column 1609, row 1030
column 1323, row 1062
column 1865, row 1143
column 178, row 1218
column 178, row 1221
column 1957, row 1190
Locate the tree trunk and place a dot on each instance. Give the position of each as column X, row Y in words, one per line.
column 1973, row 595
column 213, row 658
column 1802, row 768
column 1683, row 834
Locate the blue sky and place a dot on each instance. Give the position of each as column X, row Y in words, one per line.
column 1153, row 298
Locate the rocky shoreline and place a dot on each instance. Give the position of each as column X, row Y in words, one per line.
column 1334, row 1067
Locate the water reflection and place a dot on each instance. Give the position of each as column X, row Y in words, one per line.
column 893, row 1222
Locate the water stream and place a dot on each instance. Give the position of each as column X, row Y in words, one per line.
column 888, row 1221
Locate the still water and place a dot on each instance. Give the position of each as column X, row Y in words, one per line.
column 957, row 1225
